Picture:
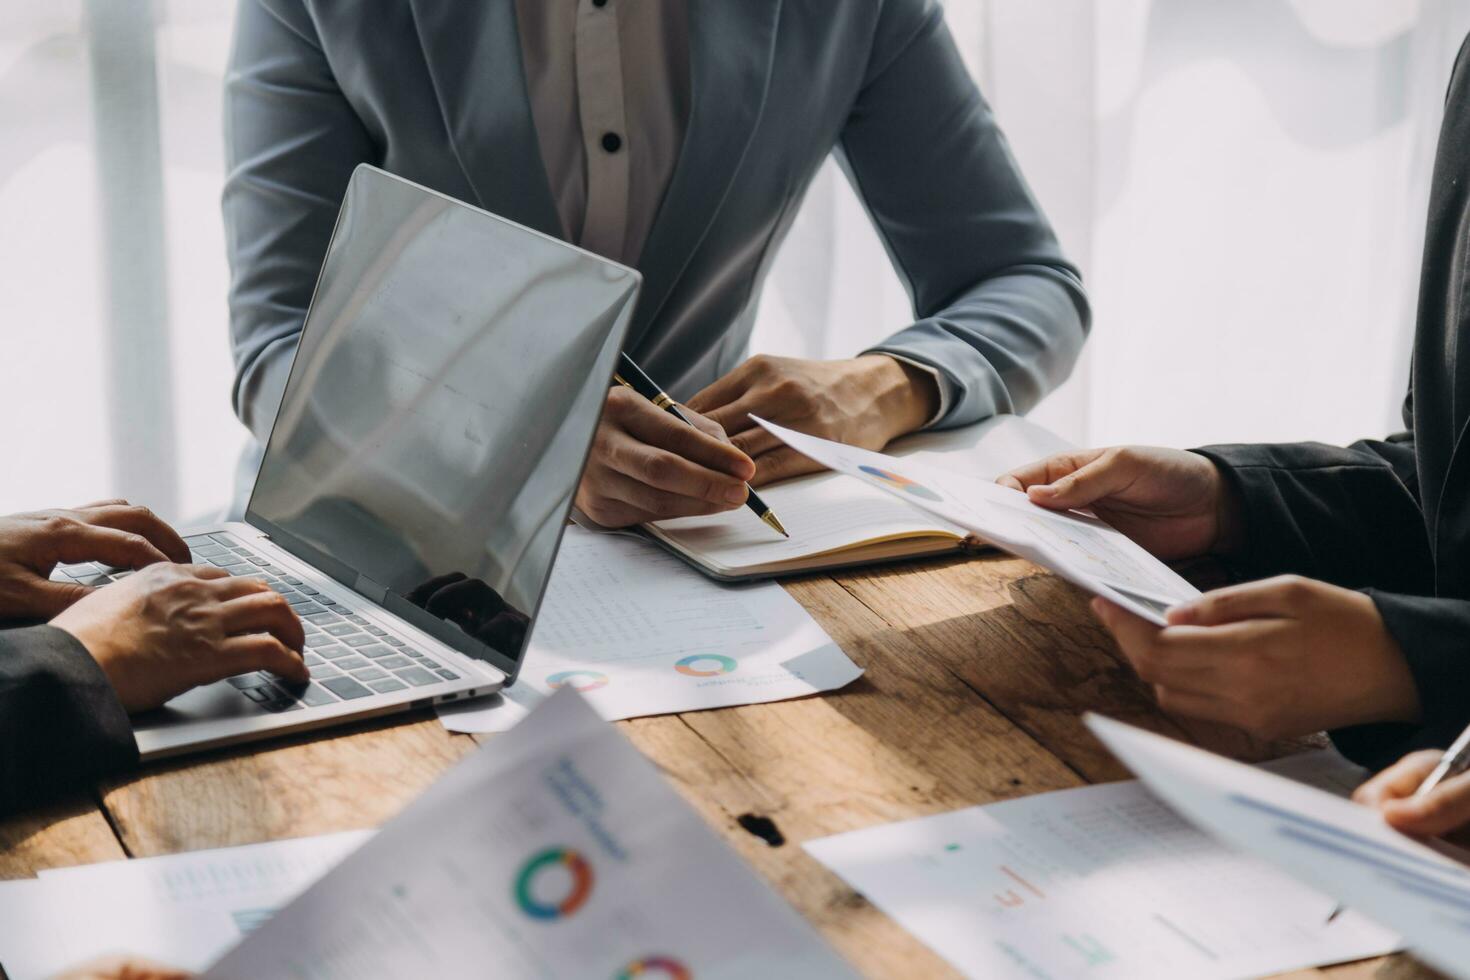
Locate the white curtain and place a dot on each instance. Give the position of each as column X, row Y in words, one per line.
column 1242, row 183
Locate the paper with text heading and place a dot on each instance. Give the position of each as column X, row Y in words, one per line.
column 1343, row 849
column 180, row 909
column 556, row 850
column 1100, row 881
column 638, row 632
column 1082, row 550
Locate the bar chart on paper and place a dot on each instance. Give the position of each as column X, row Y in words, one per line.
column 1102, row 881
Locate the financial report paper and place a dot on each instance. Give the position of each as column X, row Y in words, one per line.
column 638, row 633
column 556, row 850
column 1081, row 549
column 1326, row 842
column 1103, row 881
column 180, row 909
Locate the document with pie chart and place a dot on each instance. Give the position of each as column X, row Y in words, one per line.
column 1079, row 548
column 554, row 851
column 638, row 632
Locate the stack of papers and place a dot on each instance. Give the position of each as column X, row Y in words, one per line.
column 1104, row 881
column 638, row 633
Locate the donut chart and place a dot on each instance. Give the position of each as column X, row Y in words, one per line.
column 656, row 966
column 543, row 861
column 705, row 665
column 577, row 680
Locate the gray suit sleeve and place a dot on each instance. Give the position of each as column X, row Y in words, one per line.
column 61, row 724
column 291, row 142
column 1002, row 315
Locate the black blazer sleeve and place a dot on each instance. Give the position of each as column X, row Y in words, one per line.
column 61, row 724
column 1346, row 516
column 1352, row 517
column 1434, row 635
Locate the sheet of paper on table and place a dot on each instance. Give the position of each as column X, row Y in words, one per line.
column 181, row 909
column 640, row 633
column 1345, row 850
column 556, row 850
column 1104, row 881
column 1083, row 550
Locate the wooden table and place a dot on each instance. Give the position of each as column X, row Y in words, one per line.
column 976, row 674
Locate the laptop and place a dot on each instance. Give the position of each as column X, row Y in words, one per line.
column 414, row 490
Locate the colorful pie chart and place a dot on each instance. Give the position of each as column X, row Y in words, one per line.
column 577, row 680
column 901, row 482
column 706, row 664
column 656, row 966
column 580, row 886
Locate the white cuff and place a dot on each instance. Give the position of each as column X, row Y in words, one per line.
column 945, row 386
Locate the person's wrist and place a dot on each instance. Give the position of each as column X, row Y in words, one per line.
column 907, row 397
column 97, row 643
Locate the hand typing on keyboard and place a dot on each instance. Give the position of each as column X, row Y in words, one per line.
column 112, row 532
column 170, row 627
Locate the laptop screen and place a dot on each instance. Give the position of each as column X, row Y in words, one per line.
column 439, row 409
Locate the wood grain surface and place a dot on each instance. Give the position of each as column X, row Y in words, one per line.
column 976, row 675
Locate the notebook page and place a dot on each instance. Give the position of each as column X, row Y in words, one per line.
column 823, row 512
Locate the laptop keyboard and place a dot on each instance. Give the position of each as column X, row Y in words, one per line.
column 348, row 656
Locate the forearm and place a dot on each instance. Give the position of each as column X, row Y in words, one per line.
column 1001, row 346
column 61, row 724
column 999, row 309
column 1343, row 515
column 291, row 143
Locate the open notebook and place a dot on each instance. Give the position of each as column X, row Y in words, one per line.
column 837, row 521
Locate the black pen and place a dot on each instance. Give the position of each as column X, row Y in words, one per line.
column 630, row 375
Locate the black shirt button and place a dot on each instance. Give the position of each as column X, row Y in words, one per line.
column 599, row 3
column 612, row 142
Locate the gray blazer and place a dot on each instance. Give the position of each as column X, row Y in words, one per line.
column 433, row 90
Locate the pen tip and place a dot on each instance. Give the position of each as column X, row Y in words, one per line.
column 775, row 524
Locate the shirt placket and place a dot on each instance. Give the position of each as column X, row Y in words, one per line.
column 600, row 98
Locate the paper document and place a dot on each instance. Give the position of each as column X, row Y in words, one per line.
column 554, row 851
column 1083, row 550
column 640, row 633
column 181, row 909
column 1345, row 850
column 1101, row 881
column 834, row 520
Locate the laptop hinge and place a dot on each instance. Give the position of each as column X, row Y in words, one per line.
column 371, row 590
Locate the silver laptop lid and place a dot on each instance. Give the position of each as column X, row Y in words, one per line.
column 439, row 410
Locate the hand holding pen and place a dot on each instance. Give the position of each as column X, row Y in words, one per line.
column 1426, row 793
column 631, row 376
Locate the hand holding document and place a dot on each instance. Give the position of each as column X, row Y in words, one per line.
column 1344, row 849
column 554, row 851
column 1103, row 881
column 1083, row 550
column 640, row 633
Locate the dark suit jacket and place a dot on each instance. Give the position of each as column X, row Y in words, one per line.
column 434, row 90
column 1394, row 517
column 61, row 724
